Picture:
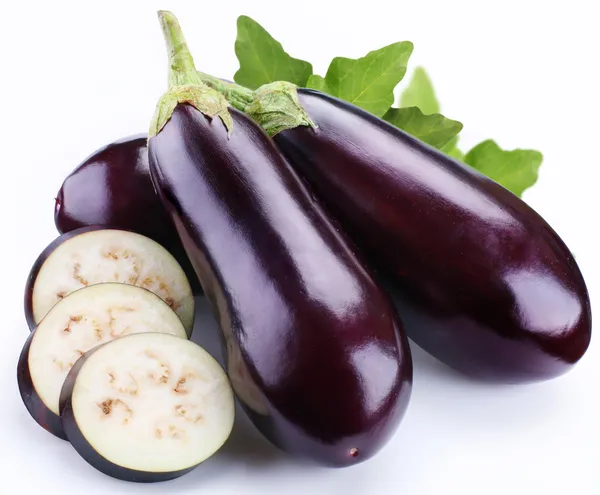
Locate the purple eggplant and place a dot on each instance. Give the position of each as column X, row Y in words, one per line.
column 315, row 348
column 112, row 188
column 483, row 283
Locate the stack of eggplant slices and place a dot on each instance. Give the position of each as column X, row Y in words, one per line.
column 322, row 238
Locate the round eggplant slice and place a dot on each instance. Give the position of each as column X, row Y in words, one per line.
column 81, row 321
column 180, row 412
column 92, row 255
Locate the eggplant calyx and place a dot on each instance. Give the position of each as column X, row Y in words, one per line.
column 185, row 85
column 239, row 96
column 276, row 108
column 204, row 99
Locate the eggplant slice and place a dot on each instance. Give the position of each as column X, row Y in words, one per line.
column 90, row 256
column 147, row 407
column 81, row 321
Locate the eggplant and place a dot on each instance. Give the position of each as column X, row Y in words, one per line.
column 178, row 413
column 482, row 281
column 112, row 188
column 315, row 348
column 93, row 255
column 81, row 321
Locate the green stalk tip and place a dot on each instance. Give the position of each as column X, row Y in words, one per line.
column 182, row 70
column 185, row 85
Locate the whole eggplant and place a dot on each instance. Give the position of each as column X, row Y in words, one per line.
column 316, row 351
column 483, row 282
column 112, row 188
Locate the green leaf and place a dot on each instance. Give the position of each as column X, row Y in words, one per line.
column 419, row 93
column 367, row 82
column 317, row 82
column 452, row 149
column 262, row 58
column 435, row 130
column 517, row 170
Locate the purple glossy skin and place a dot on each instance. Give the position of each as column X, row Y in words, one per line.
column 322, row 342
column 112, row 188
column 86, row 450
column 484, row 283
column 32, row 400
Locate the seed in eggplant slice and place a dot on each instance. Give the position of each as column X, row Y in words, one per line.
column 93, row 255
column 81, row 321
column 180, row 413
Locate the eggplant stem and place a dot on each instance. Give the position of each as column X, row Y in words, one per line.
column 274, row 106
column 182, row 70
column 185, row 85
column 239, row 96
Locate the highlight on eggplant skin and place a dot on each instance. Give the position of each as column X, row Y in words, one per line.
column 112, row 188
column 483, row 283
column 92, row 255
column 182, row 413
column 81, row 321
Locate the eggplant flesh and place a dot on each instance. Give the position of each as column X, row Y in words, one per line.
column 315, row 348
column 179, row 412
column 78, row 323
column 112, row 188
column 93, row 255
column 483, row 283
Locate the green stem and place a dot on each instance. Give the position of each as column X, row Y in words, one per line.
column 182, row 70
column 185, row 86
column 275, row 106
column 239, row 96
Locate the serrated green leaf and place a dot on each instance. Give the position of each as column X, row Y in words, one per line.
column 420, row 93
column 452, row 149
column 367, row 82
column 317, row 82
column 517, row 170
column 262, row 58
column 435, row 130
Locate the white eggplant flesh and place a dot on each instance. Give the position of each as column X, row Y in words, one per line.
column 147, row 407
column 90, row 256
column 83, row 320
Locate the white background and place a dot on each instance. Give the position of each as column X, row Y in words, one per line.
column 75, row 76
